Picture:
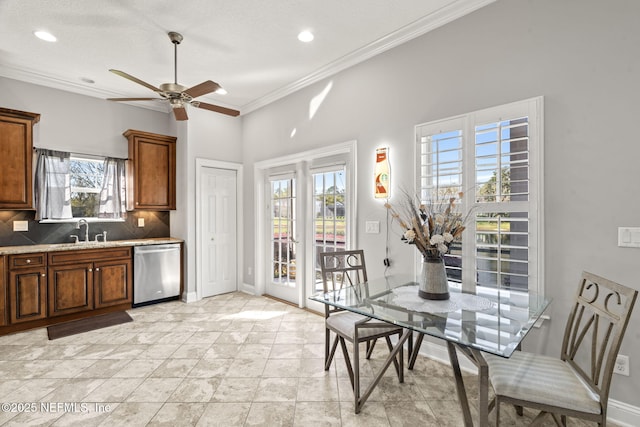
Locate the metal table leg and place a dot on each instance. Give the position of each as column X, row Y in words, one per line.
column 398, row 348
column 483, row 379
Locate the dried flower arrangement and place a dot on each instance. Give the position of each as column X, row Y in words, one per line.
column 433, row 226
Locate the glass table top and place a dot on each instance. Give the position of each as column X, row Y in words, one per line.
column 490, row 320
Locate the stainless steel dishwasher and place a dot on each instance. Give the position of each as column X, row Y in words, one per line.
column 156, row 273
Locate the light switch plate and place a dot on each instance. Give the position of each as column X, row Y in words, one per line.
column 140, row 222
column 20, row 225
column 372, row 227
column 629, row 237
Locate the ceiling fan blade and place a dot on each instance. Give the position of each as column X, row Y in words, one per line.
column 216, row 108
column 202, row 89
column 134, row 99
column 135, row 80
column 180, row 113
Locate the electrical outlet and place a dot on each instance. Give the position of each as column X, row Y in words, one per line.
column 140, row 222
column 622, row 365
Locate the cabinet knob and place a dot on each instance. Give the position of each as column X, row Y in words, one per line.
column 98, row 269
column 90, row 270
column 28, row 261
column 43, row 274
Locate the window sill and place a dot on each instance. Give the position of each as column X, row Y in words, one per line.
column 74, row 220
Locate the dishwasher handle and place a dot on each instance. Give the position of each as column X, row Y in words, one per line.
column 157, row 249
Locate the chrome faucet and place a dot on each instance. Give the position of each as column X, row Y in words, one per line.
column 80, row 224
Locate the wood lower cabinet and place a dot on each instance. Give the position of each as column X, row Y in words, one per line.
column 113, row 282
column 41, row 289
column 89, row 279
column 70, row 288
column 27, row 287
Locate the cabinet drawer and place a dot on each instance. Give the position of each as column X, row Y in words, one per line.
column 27, row 260
column 89, row 255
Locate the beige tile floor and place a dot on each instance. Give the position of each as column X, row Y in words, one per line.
column 230, row 360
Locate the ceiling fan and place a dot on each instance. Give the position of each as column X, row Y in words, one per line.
column 178, row 95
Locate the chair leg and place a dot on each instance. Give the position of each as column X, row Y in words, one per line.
column 328, row 358
column 356, row 375
column 370, row 346
column 398, row 365
column 539, row 419
column 347, row 361
column 497, row 412
column 561, row 420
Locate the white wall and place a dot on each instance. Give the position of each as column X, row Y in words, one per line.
column 206, row 135
column 78, row 123
column 580, row 55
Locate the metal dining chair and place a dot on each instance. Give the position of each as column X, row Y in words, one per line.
column 347, row 268
column 576, row 384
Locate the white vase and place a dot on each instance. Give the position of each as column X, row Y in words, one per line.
column 433, row 280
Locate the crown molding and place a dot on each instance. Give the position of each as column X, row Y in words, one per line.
column 417, row 28
column 38, row 78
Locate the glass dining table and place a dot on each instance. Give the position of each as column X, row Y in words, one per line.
column 487, row 320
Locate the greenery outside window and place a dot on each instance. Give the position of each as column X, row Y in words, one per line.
column 86, row 177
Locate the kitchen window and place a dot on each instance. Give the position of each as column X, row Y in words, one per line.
column 86, row 177
column 69, row 187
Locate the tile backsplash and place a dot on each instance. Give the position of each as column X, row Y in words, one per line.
column 156, row 224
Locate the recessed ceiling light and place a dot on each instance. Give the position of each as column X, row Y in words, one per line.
column 305, row 36
column 43, row 35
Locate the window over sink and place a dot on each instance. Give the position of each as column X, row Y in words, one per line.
column 86, row 177
column 69, row 187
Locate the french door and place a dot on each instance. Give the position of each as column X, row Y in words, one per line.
column 282, row 232
column 307, row 199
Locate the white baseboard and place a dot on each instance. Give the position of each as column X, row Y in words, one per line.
column 189, row 297
column 623, row 414
column 620, row 413
column 247, row 288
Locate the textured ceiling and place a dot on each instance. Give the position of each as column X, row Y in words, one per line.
column 247, row 46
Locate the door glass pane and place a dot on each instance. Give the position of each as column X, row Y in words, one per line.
column 329, row 216
column 283, row 230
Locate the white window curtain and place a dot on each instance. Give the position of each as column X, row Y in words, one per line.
column 52, row 185
column 113, row 193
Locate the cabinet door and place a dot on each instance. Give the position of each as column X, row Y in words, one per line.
column 70, row 289
column 112, row 283
column 28, row 295
column 16, row 142
column 153, row 166
column 3, row 291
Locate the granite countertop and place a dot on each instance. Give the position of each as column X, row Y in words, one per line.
column 27, row 249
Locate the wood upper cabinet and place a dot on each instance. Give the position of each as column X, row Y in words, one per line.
column 3, row 291
column 27, row 287
column 16, row 146
column 152, row 171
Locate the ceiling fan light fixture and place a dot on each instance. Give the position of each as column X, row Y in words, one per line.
column 221, row 91
column 45, row 35
column 176, row 103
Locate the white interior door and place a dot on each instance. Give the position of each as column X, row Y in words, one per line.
column 218, row 193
